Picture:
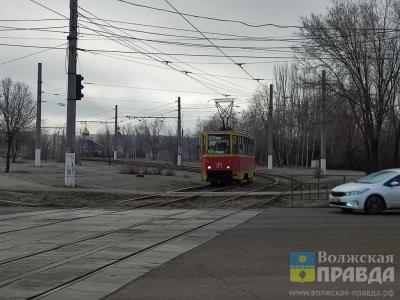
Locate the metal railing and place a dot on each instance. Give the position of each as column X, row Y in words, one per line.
column 308, row 190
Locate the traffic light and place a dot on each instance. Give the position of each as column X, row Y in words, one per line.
column 79, row 86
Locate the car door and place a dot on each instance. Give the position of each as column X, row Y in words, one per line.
column 392, row 193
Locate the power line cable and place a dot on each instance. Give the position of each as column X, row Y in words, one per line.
column 212, row 43
column 186, row 73
column 31, row 54
column 238, row 21
column 151, row 89
column 160, row 60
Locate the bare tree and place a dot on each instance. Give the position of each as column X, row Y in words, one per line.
column 16, row 112
column 171, row 143
column 153, row 131
column 358, row 42
column 106, row 140
column 128, row 137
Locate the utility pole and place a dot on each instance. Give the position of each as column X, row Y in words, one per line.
column 270, row 127
column 71, row 101
column 63, row 145
column 54, row 147
column 179, row 158
column 115, row 132
column 323, row 131
column 38, row 142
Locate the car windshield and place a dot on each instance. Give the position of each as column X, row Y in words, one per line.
column 377, row 177
column 219, row 144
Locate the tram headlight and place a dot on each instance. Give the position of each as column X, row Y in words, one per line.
column 228, row 167
column 209, row 167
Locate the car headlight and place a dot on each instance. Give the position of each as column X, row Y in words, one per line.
column 352, row 193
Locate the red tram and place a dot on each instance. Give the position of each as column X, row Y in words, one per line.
column 227, row 156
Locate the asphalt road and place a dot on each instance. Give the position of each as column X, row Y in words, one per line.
column 251, row 261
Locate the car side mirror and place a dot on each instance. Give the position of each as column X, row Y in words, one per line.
column 394, row 183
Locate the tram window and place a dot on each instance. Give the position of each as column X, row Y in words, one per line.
column 240, row 142
column 203, row 144
column 219, row 144
column 235, row 144
column 246, row 146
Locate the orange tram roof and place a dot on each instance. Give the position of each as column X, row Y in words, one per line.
column 230, row 132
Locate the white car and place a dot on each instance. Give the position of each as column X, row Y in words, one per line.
column 372, row 194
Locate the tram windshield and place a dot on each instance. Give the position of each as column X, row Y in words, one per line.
column 219, row 144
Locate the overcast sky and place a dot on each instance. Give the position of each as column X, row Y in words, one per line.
column 147, row 87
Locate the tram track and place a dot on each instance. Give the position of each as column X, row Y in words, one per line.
column 207, row 212
column 80, row 277
column 145, row 205
column 183, row 234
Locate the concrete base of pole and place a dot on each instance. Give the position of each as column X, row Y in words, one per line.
column 115, row 155
column 270, row 162
column 70, row 170
column 179, row 160
column 323, row 167
column 37, row 157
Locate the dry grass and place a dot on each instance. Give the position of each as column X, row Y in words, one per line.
column 141, row 170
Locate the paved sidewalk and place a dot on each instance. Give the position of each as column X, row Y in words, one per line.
column 251, row 261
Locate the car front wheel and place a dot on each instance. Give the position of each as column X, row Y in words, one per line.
column 374, row 205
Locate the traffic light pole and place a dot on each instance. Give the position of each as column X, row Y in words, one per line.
column 38, row 142
column 71, row 101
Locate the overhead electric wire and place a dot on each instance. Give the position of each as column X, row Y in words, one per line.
column 248, row 48
column 31, row 38
column 165, row 68
column 197, row 62
column 151, row 89
column 171, row 54
column 130, row 60
column 173, row 28
column 159, row 59
column 183, row 54
column 208, row 85
column 200, row 81
column 237, row 21
column 144, row 52
column 13, row 28
column 106, row 98
column 210, row 18
column 237, row 37
column 31, row 20
column 278, row 49
column 212, row 43
column 162, row 62
column 31, row 54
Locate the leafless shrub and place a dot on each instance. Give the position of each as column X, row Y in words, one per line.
column 135, row 170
